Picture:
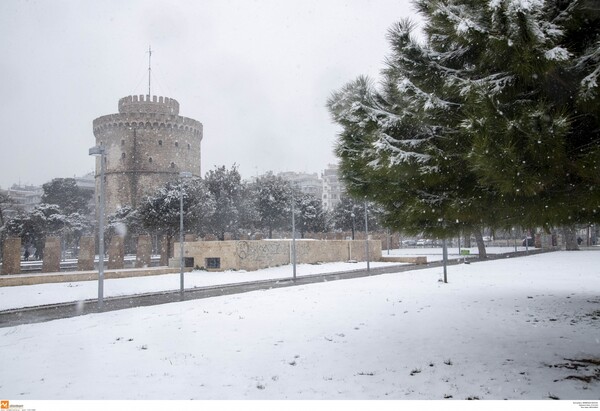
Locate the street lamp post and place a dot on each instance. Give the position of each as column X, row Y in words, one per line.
column 182, row 175
column 444, row 251
column 100, row 151
column 293, row 238
column 367, row 238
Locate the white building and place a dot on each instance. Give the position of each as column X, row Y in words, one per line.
column 24, row 197
column 333, row 189
column 305, row 182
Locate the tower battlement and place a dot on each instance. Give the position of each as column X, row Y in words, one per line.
column 148, row 104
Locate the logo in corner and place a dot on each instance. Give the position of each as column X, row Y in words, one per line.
column 4, row 404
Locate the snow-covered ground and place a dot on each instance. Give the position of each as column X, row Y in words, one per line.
column 31, row 296
column 503, row 329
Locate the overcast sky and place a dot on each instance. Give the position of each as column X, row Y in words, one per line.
column 256, row 74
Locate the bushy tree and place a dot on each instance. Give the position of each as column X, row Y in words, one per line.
column 160, row 212
column 5, row 203
column 229, row 193
column 272, row 196
column 47, row 220
column 310, row 216
column 349, row 215
column 491, row 121
column 65, row 193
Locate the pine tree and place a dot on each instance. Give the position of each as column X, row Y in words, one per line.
column 489, row 122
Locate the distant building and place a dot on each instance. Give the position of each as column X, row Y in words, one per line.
column 147, row 144
column 86, row 182
column 305, row 182
column 25, row 198
column 333, row 189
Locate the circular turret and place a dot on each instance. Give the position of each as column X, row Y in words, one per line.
column 147, row 144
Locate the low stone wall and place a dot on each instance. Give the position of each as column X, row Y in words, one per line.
column 116, row 253
column 87, row 254
column 257, row 254
column 69, row 277
column 411, row 260
column 52, row 254
column 144, row 251
column 11, row 254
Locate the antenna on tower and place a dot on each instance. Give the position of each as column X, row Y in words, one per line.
column 149, row 68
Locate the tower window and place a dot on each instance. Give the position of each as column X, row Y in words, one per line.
column 150, row 159
column 176, row 144
column 122, row 142
column 189, row 146
column 123, row 155
column 160, row 142
column 172, row 165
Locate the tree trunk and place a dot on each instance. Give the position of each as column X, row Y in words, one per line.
column 480, row 243
column 570, row 235
column 467, row 240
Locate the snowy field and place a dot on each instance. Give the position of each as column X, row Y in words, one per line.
column 519, row 329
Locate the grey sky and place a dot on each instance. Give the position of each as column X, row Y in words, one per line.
column 257, row 74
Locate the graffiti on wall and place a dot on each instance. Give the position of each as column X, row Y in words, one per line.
column 259, row 251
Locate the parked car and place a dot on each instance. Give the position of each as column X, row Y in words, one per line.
column 409, row 243
column 528, row 241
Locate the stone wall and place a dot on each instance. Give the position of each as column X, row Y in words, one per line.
column 116, row 253
column 164, row 251
column 11, row 256
column 87, row 253
column 52, row 254
column 144, row 251
column 254, row 255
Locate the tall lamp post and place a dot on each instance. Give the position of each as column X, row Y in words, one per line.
column 367, row 238
column 293, row 238
column 444, row 251
column 182, row 175
column 101, row 152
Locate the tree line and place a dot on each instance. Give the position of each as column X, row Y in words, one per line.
column 221, row 204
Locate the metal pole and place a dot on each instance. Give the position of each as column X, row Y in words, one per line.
column 182, row 175
column 149, row 67
column 445, row 255
column 388, row 241
column 101, row 232
column 293, row 239
column 367, row 238
column 181, row 240
column 100, row 151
